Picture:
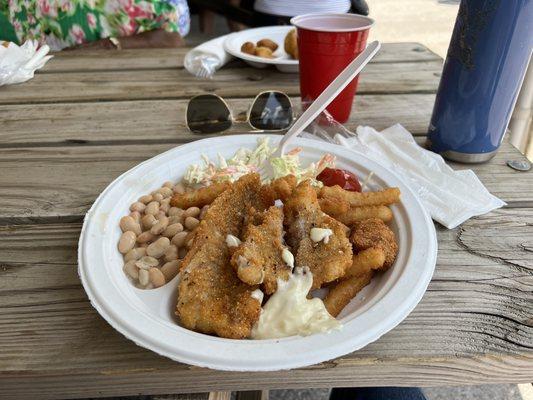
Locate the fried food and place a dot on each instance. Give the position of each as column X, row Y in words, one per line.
column 211, row 298
column 374, row 233
column 327, row 259
column 257, row 260
column 200, row 197
column 248, row 48
column 264, row 52
column 344, row 291
column 366, row 260
column 291, row 44
column 268, row 43
column 279, row 189
column 357, row 214
column 333, row 207
column 357, row 199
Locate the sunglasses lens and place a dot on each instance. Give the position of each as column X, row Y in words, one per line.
column 208, row 114
column 271, row 111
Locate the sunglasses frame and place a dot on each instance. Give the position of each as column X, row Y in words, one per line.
column 234, row 120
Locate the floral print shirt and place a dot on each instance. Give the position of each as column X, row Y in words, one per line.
column 65, row 23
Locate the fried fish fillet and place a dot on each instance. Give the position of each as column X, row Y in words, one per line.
column 279, row 189
column 374, row 233
column 258, row 259
column 211, row 298
column 327, row 261
column 199, row 197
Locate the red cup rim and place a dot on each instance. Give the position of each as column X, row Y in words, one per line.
column 302, row 22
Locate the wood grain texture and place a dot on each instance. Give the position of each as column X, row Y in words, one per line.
column 164, row 120
column 474, row 325
column 61, row 183
column 99, row 60
column 378, row 78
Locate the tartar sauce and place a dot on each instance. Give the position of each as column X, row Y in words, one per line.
column 318, row 234
column 287, row 257
column 289, row 312
column 233, row 241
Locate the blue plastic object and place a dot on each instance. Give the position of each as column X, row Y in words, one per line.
column 488, row 56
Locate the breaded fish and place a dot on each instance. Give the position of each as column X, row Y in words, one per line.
column 199, row 197
column 279, row 189
column 258, row 259
column 326, row 260
column 211, row 298
column 374, row 233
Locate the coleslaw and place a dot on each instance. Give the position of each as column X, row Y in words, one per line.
column 246, row 161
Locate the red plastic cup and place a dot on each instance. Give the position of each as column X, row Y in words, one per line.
column 327, row 43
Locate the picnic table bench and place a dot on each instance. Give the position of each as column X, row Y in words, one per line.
column 89, row 116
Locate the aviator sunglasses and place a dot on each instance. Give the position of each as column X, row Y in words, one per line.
column 269, row 111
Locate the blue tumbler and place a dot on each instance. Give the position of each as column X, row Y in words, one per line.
column 487, row 59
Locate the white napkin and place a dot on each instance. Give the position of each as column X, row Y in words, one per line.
column 18, row 63
column 205, row 59
column 450, row 197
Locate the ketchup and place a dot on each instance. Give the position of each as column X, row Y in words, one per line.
column 335, row 176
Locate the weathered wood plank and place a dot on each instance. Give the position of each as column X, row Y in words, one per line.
column 63, row 182
column 409, row 77
column 98, row 60
column 473, row 325
column 164, row 120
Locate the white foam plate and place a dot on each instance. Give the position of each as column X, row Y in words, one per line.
column 282, row 61
column 147, row 316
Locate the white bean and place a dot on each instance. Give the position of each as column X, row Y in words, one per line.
column 178, row 188
column 144, row 277
column 157, row 196
column 165, row 192
column 148, row 221
column 131, row 270
column 172, row 253
column 134, row 254
column 137, row 206
column 171, row 230
column 160, row 214
column 175, row 211
column 170, row 269
column 176, row 219
column 126, row 242
column 191, row 212
column 127, row 223
column 160, row 226
column 136, row 215
column 191, row 223
column 189, row 243
column 151, row 261
column 156, row 277
column 165, row 205
column 168, row 184
column 152, row 208
column 179, row 239
column 146, row 199
column 146, row 237
column 203, row 211
column 158, row 248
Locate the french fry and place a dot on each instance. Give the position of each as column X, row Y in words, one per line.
column 344, row 291
column 366, row 260
column 357, row 214
column 358, row 199
column 333, row 207
column 200, row 197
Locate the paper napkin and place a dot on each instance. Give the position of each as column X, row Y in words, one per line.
column 18, row 63
column 450, row 197
column 204, row 60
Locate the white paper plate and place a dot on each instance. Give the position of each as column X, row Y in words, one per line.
column 147, row 316
column 283, row 62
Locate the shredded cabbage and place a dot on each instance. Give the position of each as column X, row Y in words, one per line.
column 246, row 161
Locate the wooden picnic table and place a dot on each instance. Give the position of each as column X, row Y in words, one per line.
column 89, row 116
